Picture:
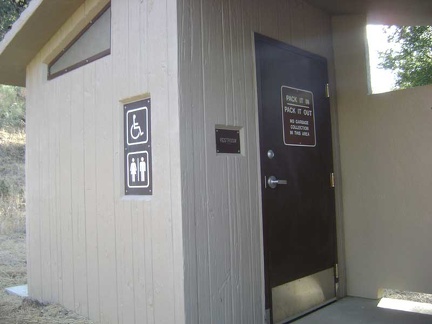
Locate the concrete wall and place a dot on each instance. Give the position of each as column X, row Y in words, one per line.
column 221, row 198
column 386, row 157
column 112, row 259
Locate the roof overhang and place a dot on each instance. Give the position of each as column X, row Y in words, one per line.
column 41, row 20
column 391, row 12
column 37, row 24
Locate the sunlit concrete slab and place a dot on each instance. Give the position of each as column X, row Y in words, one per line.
column 406, row 306
column 20, row 291
column 354, row 310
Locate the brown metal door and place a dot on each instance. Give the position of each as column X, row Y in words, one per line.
column 296, row 170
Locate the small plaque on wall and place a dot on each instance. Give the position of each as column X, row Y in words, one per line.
column 228, row 140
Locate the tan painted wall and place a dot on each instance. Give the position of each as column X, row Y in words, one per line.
column 221, row 198
column 386, row 157
column 121, row 260
column 114, row 260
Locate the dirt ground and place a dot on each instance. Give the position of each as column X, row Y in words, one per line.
column 15, row 310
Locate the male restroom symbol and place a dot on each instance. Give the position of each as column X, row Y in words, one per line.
column 143, row 169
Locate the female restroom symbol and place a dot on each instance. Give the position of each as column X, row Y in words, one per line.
column 133, row 169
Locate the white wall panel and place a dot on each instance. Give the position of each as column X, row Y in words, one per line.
column 121, row 260
column 115, row 260
column 34, row 265
column 90, row 190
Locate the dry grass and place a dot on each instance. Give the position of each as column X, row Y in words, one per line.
column 15, row 310
column 12, row 181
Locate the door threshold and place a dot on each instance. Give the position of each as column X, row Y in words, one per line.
column 311, row 310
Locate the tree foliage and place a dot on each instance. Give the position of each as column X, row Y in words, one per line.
column 9, row 12
column 12, row 99
column 410, row 55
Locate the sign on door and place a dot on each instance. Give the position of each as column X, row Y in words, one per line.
column 298, row 117
column 137, row 144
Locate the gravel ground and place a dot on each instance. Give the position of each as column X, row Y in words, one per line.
column 408, row 295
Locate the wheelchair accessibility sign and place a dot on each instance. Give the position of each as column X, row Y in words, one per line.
column 137, row 148
column 137, row 126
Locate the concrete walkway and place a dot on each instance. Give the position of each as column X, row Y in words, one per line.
column 352, row 310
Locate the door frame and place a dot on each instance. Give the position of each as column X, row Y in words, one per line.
column 342, row 284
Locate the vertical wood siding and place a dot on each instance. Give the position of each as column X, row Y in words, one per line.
column 115, row 260
column 221, row 199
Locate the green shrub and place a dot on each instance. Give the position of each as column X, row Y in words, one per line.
column 4, row 188
column 12, row 107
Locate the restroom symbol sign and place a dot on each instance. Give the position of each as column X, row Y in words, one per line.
column 137, row 148
column 137, row 126
column 138, row 170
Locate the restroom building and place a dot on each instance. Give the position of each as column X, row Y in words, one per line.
column 217, row 161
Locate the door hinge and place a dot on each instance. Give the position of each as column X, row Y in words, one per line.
column 332, row 180
column 327, row 90
column 336, row 279
column 336, row 269
column 336, row 274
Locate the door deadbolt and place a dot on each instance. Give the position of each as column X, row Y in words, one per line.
column 273, row 182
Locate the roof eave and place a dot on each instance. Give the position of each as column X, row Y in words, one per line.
column 36, row 25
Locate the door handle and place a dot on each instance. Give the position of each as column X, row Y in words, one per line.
column 273, row 182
